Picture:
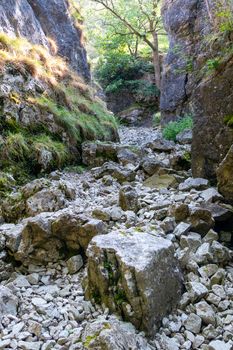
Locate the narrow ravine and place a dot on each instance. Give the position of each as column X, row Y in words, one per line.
column 46, row 298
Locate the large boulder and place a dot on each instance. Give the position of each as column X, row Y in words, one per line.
column 97, row 153
column 134, row 274
column 49, row 237
column 224, row 175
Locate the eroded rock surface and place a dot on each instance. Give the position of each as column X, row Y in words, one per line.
column 136, row 275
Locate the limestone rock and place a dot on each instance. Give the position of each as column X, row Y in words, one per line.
column 96, row 154
column 142, row 290
column 113, row 334
column 160, row 181
column 74, row 264
column 184, row 83
column 8, row 302
column 211, row 195
column 151, row 165
column 206, row 312
column 128, row 199
column 161, row 145
column 219, row 345
column 193, row 323
column 185, row 137
column 127, row 156
column 201, row 220
column 118, row 172
column 197, row 184
column 50, row 236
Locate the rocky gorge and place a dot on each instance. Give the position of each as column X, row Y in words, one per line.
column 110, row 241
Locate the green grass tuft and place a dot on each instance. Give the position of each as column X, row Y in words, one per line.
column 172, row 129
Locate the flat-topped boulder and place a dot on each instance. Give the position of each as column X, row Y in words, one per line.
column 134, row 274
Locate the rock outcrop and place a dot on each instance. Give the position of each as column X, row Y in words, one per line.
column 198, row 76
column 41, row 21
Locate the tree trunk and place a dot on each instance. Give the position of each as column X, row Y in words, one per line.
column 156, row 61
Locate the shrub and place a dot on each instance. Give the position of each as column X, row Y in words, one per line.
column 121, row 71
column 172, row 129
column 156, row 119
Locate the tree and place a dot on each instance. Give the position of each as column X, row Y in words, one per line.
column 140, row 19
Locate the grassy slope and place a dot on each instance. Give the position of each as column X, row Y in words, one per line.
column 65, row 95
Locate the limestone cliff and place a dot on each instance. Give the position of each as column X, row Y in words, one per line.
column 198, row 76
column 41, row 21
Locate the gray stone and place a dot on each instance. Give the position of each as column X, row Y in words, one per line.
column 74, row 264
column 161, row 145
column 95, row 154
column 43, row 238
column 142, row 290
column 185, row 137
column 197, row 184
column 201, row 219
column 128, row 199
column 113, row 334
column 181, row 229
column 151, row 165
column 27, row 345
column 160, row 181
column 5, row 344
column 219, row 345
column 211, row 195
column 196, row 290
column 118, row 172
column 8, row 302
column 193, row 323
column 206, row 312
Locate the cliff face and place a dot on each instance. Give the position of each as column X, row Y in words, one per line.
column 41, row 20
column 198, row 77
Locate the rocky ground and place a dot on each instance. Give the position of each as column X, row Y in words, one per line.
column 141, row 193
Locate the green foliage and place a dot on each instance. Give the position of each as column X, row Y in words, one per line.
column 213, row 64
column 114, row 72
column 118, row 73
column 120, row 297
column 172, row 129
column 58, row 149
column 83, row 119
column 187, row 157
column 16, row 147
column 157, row 119
column 225, row 15
column 228, row 120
